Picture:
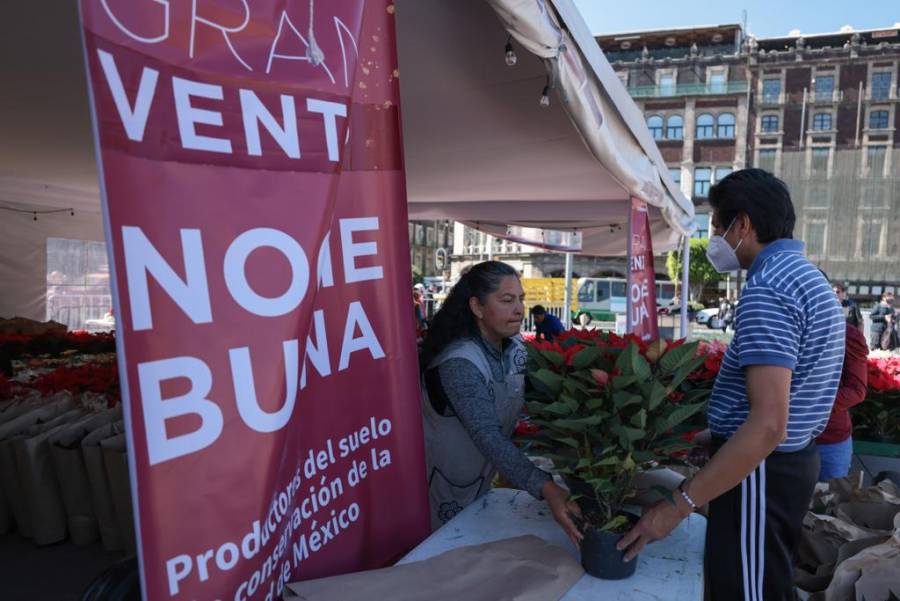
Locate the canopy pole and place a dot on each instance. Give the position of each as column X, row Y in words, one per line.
column 567, row 309
column 685, row 284
column 489, row 240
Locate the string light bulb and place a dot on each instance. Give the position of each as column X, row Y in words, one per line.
column 72, row 212
column 545, row 97
column 511, row 58
column 35, row 215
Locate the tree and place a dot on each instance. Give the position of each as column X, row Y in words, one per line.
column 700, row 272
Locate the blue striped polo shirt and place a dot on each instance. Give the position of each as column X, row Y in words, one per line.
column 787, row 316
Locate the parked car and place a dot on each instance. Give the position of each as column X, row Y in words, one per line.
column 705, row 315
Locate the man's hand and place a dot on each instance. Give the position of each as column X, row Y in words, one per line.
column 562, row 509
column 656, row 523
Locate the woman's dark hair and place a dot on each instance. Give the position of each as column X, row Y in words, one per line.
column 455, row 319
column 761, row 196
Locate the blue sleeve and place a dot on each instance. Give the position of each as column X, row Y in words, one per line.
column 767, row 328
column 556, row 327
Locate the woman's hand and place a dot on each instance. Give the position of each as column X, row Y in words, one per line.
column 562, row 509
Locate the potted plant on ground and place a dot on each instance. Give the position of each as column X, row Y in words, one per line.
column 604, row 411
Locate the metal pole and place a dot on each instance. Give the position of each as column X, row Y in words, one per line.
column 859, row 113
column 489, row 240
column 685, row 285
column 567, row 310
column 803, row 118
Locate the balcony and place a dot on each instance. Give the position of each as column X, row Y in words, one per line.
column 881, row 94
column 689, row 89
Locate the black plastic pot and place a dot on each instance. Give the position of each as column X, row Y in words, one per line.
column 600, row 559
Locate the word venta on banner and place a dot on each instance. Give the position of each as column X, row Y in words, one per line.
column 308, row 511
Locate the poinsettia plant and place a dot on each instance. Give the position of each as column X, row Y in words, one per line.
column 878, row 417
column 607, row 407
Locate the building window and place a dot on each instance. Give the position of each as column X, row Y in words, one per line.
column 770, row 123
column 702, row 177
column 815, row 238
column 429, row 236
column 881, row 85
column 821, row 122
column 701, row 220
column 705, row 126
column 655, row 124
column 766, row 160
column 623, row 77
column 675, row 127
column 722, row 173
column 873, row 197
column 725, row 126
column 667, row 85
column 875, row 156
column 771, row 91
column 817, row 198
column 878, row 120
column 820, row 160
column 675, row 174
column 824, row 88
column 77, row 282
column 870, row 239
column 717, row 83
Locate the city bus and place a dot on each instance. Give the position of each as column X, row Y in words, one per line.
column 600, row 299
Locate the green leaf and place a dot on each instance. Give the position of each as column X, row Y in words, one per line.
column 551, row 381
column 642, row 456
column 640, row 366
column 595, row 403
column 574, row 387
column 581, row 423
column 536, row 357
column 658, row 393
column 613, row 524
column 554, row 358
column 628, row 434
column 556, row 408
column 587, row 357
column 623, row 399
column 628, row 465
column 570, row 402
column 684, row 371
column 676, row 357
column 625, row 361
column 639, row 419
column 565, row 344
column 682, row 413
column 621, row 382
column 569, row 442
column 606, row 461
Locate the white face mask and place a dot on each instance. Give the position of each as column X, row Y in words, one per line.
column 724, row 259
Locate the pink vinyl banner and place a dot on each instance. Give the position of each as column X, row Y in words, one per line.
column 255, row 212
column 641, row 300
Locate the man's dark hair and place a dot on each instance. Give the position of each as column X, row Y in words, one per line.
column 538, row 310
column 761, row 196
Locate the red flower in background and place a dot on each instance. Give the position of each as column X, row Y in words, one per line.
column 570, row 352
column 101, row 379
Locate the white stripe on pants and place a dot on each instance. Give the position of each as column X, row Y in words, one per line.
column 753, row 532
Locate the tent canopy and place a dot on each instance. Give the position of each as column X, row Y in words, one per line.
column 478, row 146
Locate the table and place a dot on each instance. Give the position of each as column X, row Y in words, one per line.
column 668, row 570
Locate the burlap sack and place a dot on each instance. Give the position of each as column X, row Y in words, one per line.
column 11, row 484
column 39, row 483
column 115, row 460
column 71, row 473
column 524, row 568
column 100, row 493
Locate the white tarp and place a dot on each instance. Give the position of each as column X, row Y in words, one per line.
column 478, row 147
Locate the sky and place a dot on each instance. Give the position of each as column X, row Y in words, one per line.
column 765, row 18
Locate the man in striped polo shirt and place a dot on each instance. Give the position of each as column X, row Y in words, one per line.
column 772, row 397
